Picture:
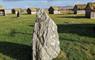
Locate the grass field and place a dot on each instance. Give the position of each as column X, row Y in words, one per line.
column 77, row 37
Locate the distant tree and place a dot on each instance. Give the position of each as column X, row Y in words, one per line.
column 28, row 11
column 13, row 11
column 51, row 10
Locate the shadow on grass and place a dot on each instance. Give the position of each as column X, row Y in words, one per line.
column 23, row 33
column 76, row 17
column 16, row 51
column 31, row 25
column 15, row 17
column 80, row 29
column 13, row 32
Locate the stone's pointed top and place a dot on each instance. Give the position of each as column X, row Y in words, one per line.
column 40, row 12
column 41, row 15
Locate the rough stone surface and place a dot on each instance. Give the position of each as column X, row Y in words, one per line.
column 45, row 43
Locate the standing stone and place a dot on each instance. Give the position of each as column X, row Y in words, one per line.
column 18, row 14
column 45, row 43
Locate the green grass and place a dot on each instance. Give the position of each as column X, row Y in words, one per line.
column 77, row 38
column 16, row 36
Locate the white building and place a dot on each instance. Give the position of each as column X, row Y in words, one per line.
column 56, row 12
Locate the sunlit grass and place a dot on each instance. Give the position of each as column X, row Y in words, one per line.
column 77, row 40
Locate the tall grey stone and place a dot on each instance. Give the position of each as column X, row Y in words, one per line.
column 45, row 43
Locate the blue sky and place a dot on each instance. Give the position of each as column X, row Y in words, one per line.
column 40, row 3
